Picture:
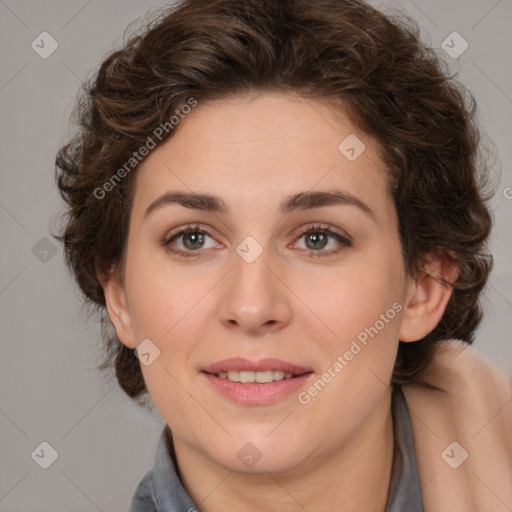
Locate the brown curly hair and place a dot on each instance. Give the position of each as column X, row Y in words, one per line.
column 392, row 86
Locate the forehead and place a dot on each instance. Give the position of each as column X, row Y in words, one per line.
column 265, row 145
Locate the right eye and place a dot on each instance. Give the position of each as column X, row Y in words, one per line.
column 190, row 241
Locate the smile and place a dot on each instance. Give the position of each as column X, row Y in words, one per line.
column 260, row 377
column 253, row 383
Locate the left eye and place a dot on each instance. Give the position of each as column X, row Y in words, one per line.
column 317, row 238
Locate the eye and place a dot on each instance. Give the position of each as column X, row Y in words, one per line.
column 317, row 238
column 189, row 240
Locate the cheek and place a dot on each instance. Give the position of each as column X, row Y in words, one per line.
column 165, row 308
column 160, row 295
column 168, row 306
column 363, row 314
column 363, row 293
column 358, row 359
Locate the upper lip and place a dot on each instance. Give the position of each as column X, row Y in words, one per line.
column 239, row 363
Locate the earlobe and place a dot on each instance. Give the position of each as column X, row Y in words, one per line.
column 117, row 308
column 429, row 293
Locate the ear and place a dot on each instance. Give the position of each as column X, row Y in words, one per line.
column 427, row 297
column 117, row 307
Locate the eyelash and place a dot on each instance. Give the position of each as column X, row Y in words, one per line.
column 196, row 228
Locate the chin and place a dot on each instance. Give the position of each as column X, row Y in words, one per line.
column 273, row 462
column 258, row 452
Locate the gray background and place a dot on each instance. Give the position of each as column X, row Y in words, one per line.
column 48, row 390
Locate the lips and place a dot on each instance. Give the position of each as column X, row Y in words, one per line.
column 253, row 383
column 245, row 366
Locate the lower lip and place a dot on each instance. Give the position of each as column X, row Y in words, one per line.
column 254, row 393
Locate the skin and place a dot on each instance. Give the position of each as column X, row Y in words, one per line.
column 336, row 451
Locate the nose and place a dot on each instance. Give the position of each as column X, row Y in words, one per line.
column 255, row 298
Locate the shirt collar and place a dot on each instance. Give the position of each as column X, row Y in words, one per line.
column 168, row 492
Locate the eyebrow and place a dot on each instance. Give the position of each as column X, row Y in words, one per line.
column 300, row 201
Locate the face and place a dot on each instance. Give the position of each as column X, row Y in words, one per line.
column 291, row 267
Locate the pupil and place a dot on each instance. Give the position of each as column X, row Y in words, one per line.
column 197, row 240
column 317, row 237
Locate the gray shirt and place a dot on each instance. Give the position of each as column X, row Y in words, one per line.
column 161, row 490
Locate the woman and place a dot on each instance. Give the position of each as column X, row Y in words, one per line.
column 281, row 207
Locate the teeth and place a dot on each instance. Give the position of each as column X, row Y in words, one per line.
column 278, row 375
column 247, row 376
column 263, row 377
column 259, row 377
column 234, row 376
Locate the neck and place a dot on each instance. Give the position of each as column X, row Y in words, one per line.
column 353, row 477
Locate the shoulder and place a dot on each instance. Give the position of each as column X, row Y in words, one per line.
column 461, row 415
column 470, row 391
